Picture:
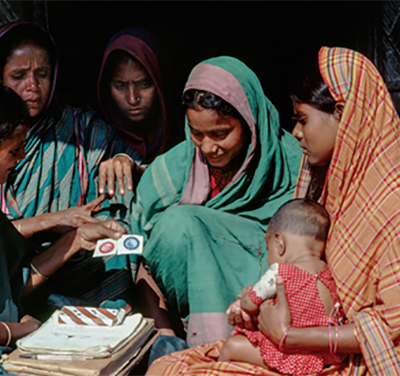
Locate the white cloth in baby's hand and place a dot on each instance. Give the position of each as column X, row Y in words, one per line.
column 265, row 288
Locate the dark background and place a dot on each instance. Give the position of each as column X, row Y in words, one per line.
column 272, row 38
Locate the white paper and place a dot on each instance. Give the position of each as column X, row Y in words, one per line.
column 55, row 338
column 105, row 247
column 130, row 244
column 125, row 245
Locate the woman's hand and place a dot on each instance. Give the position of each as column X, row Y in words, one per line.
column 87, row 235
column 238, row 317
column 25, row 326
column 79, row 215
column 30, row 324
column 59, row 222
column 275, row 319
column 59, row 252
column 116, row 169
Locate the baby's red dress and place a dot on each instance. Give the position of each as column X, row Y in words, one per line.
column 307, row 310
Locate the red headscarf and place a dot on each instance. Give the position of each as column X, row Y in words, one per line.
column 142, row 46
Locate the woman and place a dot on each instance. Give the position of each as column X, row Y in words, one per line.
column 353, row 171
column 58, row 175
column 21, row 270
column 130, row 91
column 205, row 205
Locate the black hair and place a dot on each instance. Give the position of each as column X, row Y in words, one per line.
column 310, row 88
column 113, row 59
column 26, row 33
column 194, row 99
column 301, row 217
column 14, row 114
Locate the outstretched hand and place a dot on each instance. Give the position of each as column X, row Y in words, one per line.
column 275, row 319
column 77, row 216
column 116, row 169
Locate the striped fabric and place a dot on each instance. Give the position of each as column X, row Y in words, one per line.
column 76, row 315
column 64, row 148
column 60, row 171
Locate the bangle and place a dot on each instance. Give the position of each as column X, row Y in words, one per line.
column 336, row 338
column 282, row 342
column 38, row 273
column 8, row 333
column 125, row 155
column 330, row 339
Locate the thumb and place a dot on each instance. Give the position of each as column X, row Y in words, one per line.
column 280, row 291
column 106, row 232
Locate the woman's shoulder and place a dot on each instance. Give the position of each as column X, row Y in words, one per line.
column 64, row 116
column 168, row 169
column 89, row 118
column 174, row 158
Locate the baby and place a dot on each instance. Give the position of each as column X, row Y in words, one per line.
column 296, row 239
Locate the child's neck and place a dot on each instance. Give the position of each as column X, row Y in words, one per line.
column 305, row 253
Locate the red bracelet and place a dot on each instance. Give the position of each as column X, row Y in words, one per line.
column 282, row 342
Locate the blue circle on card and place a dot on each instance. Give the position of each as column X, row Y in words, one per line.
column 131, row 243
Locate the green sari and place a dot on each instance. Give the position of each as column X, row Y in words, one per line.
column 202, row 251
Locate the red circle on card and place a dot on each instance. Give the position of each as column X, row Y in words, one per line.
column 106, row 247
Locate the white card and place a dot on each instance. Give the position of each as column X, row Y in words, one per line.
column 105, row 247
column 130, row 244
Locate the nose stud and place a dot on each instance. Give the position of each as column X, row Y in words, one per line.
column 138, row 99
column 37, row 86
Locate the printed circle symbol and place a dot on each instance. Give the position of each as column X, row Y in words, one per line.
column 106, row 247
column 131, row 243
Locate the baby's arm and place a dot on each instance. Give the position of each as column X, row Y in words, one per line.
column 247, row 304
column 265, row 288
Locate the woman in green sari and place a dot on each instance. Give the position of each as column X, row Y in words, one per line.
column 204, row 206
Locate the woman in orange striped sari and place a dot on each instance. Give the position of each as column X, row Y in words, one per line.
column 351, row 164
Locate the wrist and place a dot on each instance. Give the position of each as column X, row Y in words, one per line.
column 282, row 343
column 126, row 156
column 9, row 334
column 72, row 238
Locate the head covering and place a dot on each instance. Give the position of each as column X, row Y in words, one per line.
column 28, row 30
column 234, row 82
column 220, row 82
column 142, row 45
column 362, row 197
column 265, row 180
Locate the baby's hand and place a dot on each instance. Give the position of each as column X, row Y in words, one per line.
column 238, row 317
column 245, row 291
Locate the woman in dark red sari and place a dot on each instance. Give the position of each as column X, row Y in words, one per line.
column 130, row 91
